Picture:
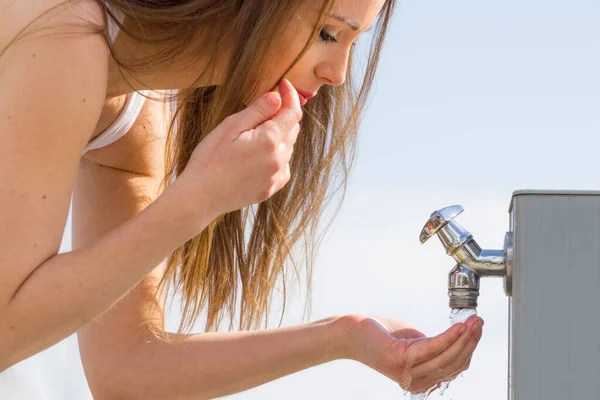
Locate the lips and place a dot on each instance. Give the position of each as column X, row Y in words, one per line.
column 303, row 100
column 304, row 96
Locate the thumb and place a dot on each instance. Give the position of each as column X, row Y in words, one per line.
column 261, row 110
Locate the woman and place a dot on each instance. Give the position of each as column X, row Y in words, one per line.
column 249, row 145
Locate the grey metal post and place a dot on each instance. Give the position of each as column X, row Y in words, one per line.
column 554, row 311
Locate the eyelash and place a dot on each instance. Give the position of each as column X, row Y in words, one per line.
column 327, row 38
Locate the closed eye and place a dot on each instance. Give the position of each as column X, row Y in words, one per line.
column 327, row 37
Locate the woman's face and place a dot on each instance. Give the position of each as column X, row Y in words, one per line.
column 326, row 60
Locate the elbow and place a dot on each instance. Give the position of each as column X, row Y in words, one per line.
column 109, row 373
column 4, row 363
column 8, row 357
column 104, row 386
column 140, row 377
column 112, row 382
column 13, row 344
column 128, row 372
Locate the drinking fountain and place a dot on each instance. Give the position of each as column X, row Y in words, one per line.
column 550, row 265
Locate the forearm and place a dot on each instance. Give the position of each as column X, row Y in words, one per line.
column 70, row 289
column 210, row 365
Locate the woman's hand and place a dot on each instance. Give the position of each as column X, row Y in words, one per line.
column 245, row 160
column 405, row 355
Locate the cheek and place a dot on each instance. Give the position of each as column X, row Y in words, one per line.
column 276, row 65
column 291, row 51
column 286, row 51
column 300, row 71
column 306, row 65
column 291, row 44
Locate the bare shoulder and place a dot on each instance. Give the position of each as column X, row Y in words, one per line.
column 48, row 45
column 19, row 17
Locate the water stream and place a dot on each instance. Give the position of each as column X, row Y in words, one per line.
column 456, row 316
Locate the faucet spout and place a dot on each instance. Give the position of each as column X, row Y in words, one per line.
column 472, row 261
column 463, row 287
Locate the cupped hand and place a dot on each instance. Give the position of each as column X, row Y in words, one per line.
column 405, row 355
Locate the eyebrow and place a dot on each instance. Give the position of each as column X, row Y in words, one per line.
column 353, row 25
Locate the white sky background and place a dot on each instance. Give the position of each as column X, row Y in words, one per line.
column 473, row 100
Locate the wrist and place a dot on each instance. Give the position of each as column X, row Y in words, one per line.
column 342, row 342
column 191, row 206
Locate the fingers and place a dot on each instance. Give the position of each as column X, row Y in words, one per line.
column 453, row 358
column 460, row 371
column 444, row 355
column 450, row 363
column 290, row 112
column 261, row 110
column 287, row 173
column 422, row 383
column 409, row 333
column 287, row 146
column 281, row 110
column 427, row 349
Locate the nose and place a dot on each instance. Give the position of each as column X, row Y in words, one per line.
column 333, row 69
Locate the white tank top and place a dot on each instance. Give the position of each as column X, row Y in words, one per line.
column 132, row 107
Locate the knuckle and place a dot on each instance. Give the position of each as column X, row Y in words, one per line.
column 409, row 359
column 294, row 134
column 264, row 195
column 270, row 126
column 274, row 166
column 296, row 114
column 406, row 382
column 466, row 365
column 270, row 144
column 275, row 181
column 283, row 148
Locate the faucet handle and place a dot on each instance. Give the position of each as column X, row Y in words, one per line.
column 438, row 220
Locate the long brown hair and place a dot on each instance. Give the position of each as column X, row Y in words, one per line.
column 226, row 266
column 237, row 261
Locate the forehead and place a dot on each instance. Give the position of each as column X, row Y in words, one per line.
column 359, row 12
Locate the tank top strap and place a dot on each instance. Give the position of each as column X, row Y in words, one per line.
column 111, row 27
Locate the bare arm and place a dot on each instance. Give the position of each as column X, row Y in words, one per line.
column 122, row 358
column 202, row 366
column 52, row 89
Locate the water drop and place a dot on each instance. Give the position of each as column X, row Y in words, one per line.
column 461, row 315
column 419, row 396
column 443, row 387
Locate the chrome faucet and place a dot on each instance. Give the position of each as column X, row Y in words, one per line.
column 472, row 262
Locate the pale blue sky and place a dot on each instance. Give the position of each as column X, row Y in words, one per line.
column 472, row 101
